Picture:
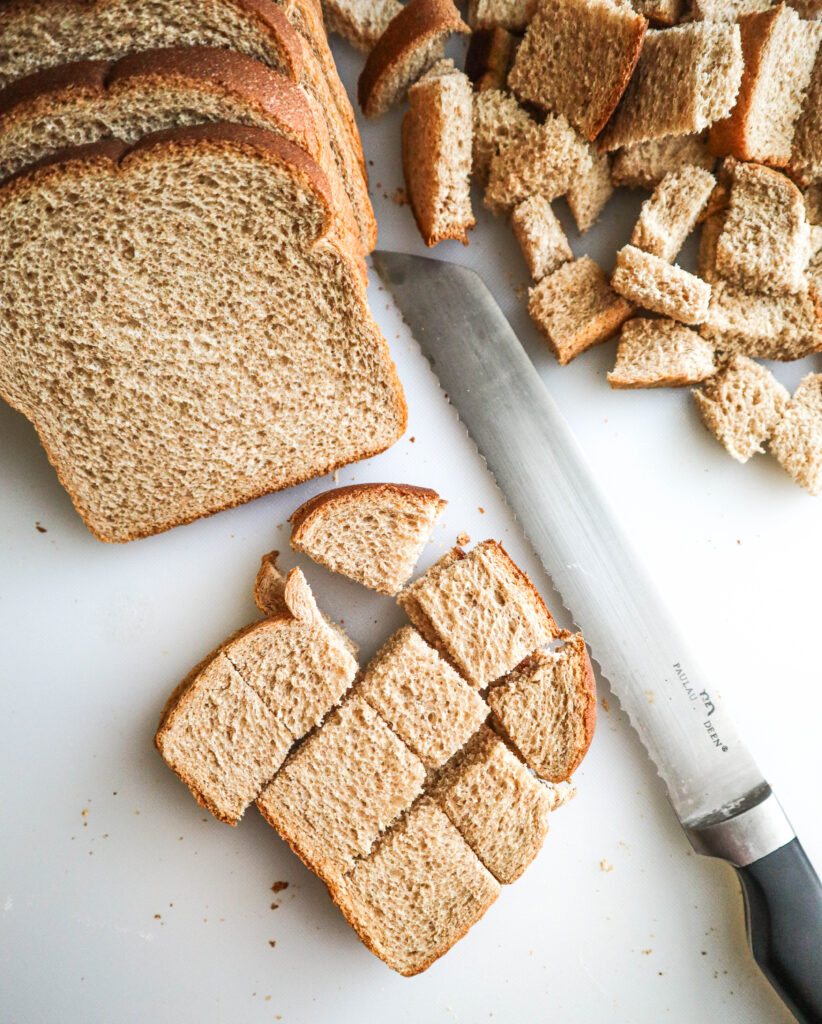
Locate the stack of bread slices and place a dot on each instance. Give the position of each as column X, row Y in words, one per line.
column 417, row 787
column 184, row 217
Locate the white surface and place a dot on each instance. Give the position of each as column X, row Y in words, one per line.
column 123, row 901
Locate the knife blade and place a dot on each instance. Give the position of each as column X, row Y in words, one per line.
column 714, row 785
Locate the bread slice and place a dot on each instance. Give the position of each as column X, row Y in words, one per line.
column 687, row 77
column 660, row 12
column 432, row 709
column 418, row 892
column 500, row 809
column 645, row 164
column 144, row 443
column 412, row 43
column 547, row 708
column 497, row 121
column 540, row 237
column 712, row 228
column 589, row 194
column 796, row 440
column 576, row 59
column 575, row 308
column 741, row 406
column 489, row 56
column 372, row 533
column 654, row 284
column 269, row 586
column 361, row 22
column 669, row 216
column 508, row 618
column 511, row 15
column 805, row 164
column 782, row 327
column 436, row 154
column 660, row 354
column 726, row 10
column 780, row 51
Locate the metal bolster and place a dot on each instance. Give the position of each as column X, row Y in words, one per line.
column 744, row 837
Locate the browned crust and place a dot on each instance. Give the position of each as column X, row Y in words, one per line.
column 352, row 492
column 323, row 868
column 80, row 76
column 411, row 29
column 526, row 582
column 677, row 381
column 621, row 80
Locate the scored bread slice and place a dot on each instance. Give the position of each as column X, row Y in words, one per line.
column 418, row 892
column 540, row 237
column 510, row 15
column 547, row 708
column 660, row 354
column 500, row 809
column 576, row 59
column 785, row 327
column 652, row 283
column 741, row 406
column 372, row 533
column 796, row 440
column 669, row 216
column 497, row 121
column 686, row 78
column 645, row 164
column 508, row 619
column 412, row 43
column 191, row 340
column 488, row 58
column 575, row 308
column 361, row 22
column 436, row 154
column 589, row 194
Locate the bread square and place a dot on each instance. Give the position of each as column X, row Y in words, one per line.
column 797, row 437
column 660, row 354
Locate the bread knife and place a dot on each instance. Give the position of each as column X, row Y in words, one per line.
column 720, row 796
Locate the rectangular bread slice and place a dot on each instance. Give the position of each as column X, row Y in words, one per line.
column 669, row 216
column 361, row 22
column 588, row 195
column 796, row 440
column 540, row 237
column 652, row 283
column 782, row 327
column 660, row 354
column 497, row 120
column 645, row 164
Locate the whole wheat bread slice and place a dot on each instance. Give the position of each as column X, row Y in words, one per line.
column 660, row 12
column 645, row 164
column 588, row 196
column 669, row 216
column 540, row 237
column 784, row 327
column 497, row 121
column 660, row 354
column 509, row 15
column 796, row 440
column 489, row 56
column 652, row 283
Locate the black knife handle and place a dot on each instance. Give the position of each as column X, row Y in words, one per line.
column 783, row 908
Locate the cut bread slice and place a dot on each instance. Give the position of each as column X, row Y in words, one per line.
column 805, row 165
column 726, row 10
column 654, row 284
column 687, row 77
column 500, row 809
column 511, row 15
column 576, row 59
column 660, row 12
column 412, row 43
column 508, row 619
column 660, row 354
column 712, row 228
column 497, row 121
column 575, row 308
column 669, row 216
column 361, row 22
column 813, row 204
column 489, row 57
column 547, row 708
column 372, row 533
column 432, row 709
column 741, row 406
column 540, row 237
column 418, row 892
column 192, row 342
column 588, row 195
column 645, row 164
column 784, row 327
column 796, row 440
column 436, row 154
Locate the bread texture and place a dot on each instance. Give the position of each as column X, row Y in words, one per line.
column 361, row 22
column 654, row 284
column 784, row 327
column 497, row 121
column 660, row 12
column 489, row 56
column 192, row 343
column 547, row 708
column 412, row 43
column 589, row 194
column 372, row 533
column 511, row 15
column 540, row 237
column 575, row 308
column 269, row 586
column 660, row 354
column 726, row 10
column 645, row 164
column 576, row 59
column 436, row 154
column 687, row 77
column 508, row 619
column 741, row 406
column 671, row 213
column 796, row 440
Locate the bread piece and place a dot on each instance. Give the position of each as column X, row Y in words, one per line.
column 783, row 327
column 497, row 121
column 547, row 708
column 810, row 9
column 805, row 165
column 660, row 354
column 540, row 237
column 575, row 308
column 660, row 12
column 779, row 50
column 499, row 807
column 372, row 533
column 418, row 892
column 361, row 22
column 431, row 709
column 712, row 228
column 669, row 216
column 341, row 789
column 191, row 342
column 687, row 77
column 741, row 405
column 436, row 154
column 813, row 204
column 576, row 59
column 726, row 10
column 413, row 41
column 269, row 586
column 650, row 282
column 546, row 159
column 507, row 621
column 489, row 57
column 645, row 164
column 590, row 192
column 796, row 440
column 512, row 15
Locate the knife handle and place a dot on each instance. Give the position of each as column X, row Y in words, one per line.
column 783, row 911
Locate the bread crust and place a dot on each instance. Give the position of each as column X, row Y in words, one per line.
column 621, row 80
column 351, row 492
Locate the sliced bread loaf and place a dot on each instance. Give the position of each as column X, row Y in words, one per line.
column 660, row 354
column 652, row 283
column 645, row 164
column 796, row 440
column 669, row 216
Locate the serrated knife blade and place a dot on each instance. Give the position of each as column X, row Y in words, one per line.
column 713, row 783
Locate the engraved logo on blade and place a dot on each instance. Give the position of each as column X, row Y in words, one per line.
column 702, row 701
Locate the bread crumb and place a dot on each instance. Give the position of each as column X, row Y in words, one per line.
column 279, row 886
column 274, row 906
column 481, row 511
column 272, row 943
column 84, row 812
column 463, row 538
column 412, row 439
column 39, row 528
column 157, row 917
column 606, row 706
column 605, row 866
column 647, row 952
column 401, row 197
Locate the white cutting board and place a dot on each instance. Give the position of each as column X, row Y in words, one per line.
column 123, row 902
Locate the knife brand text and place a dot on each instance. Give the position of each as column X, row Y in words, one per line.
column 703, row 696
